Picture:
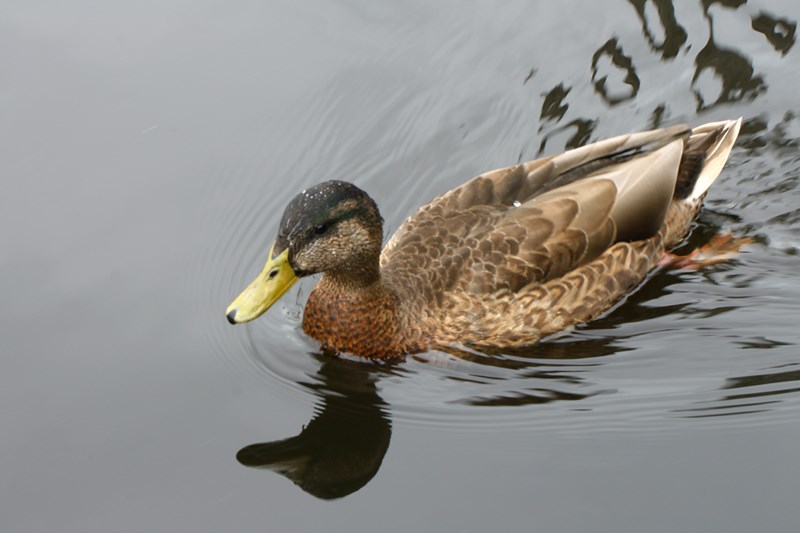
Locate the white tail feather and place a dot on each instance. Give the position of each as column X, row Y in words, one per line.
column 716, row 155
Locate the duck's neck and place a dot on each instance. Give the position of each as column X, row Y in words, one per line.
column 355, row 278
column 355, row 312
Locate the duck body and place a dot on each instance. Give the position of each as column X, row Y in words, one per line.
column 505, row 259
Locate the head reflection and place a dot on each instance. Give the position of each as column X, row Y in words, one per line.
column 341, row 449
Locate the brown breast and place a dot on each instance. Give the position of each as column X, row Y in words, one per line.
column 363, row 321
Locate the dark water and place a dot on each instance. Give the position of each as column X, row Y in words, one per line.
column 148, row 149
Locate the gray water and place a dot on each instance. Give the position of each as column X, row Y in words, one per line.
column 148, row 149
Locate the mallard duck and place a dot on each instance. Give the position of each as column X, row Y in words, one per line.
column 505, row 259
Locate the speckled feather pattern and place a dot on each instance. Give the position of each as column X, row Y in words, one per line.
column 523, row 252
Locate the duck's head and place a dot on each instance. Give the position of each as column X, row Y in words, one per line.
column 333, row 227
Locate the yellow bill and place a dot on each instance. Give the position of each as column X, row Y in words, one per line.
column 276, row 278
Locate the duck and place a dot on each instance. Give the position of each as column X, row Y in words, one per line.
column 506, row 259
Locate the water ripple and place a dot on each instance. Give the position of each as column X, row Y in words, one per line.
column 670, row 354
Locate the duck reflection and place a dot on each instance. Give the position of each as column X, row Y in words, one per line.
column 341, row 449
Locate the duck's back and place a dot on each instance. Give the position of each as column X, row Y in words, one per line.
column 524, row 251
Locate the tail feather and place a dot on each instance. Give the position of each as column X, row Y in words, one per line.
column 706, row 151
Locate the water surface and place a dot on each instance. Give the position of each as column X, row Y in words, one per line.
column 148, row 151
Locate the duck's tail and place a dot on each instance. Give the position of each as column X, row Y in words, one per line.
column 704, row 155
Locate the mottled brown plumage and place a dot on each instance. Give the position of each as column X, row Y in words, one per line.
column 506, row 258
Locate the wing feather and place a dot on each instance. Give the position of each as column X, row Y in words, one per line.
column 535, row 222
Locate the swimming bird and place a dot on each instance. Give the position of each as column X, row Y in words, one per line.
column 505, row 259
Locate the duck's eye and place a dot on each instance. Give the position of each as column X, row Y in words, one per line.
column 319, row 229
